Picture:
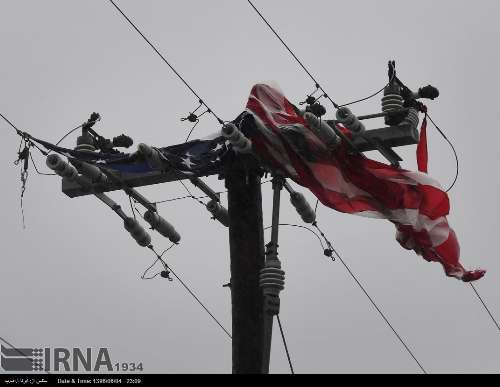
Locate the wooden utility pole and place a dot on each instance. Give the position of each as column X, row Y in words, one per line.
column 246, row 240
column 252, row 312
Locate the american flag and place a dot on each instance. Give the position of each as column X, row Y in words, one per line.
column 198, row 157
column 194, row 158
column 412, row 201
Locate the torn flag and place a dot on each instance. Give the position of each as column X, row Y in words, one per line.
column 351, row 183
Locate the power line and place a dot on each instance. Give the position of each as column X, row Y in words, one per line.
column 12, row 125
column 326, row 95
column 380, row 312
column 167, row 267
column 286, row 346
column 166, row 61
column 485, row 307
column 360, row 285
column 293, row 54
column 338, row 132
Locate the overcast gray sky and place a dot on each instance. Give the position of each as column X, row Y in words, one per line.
column 72, row 278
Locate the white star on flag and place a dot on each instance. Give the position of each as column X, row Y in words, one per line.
column 187, row 162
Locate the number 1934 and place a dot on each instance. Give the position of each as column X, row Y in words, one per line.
column 130, row 367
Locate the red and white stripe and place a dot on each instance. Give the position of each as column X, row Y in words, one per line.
column 413, row 201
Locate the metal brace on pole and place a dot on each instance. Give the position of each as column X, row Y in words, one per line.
column 272, row 278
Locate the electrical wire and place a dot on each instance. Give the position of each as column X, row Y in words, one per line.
column 362, row 288
column 339, row 133
column 192, row 129
column 69, row 133
column 191, row 195
column 197, row 197
column 364, row 99
column 132, row 207
column 326, row 95
column 293, row 54
column 159, row 258
column 36, row 169
column 485, row 307
column 183, row 198
column 20, row 133
column 301, row 227
column 377, row 92
column 454, row 152
column 379, row 311
column 165, row 60
column 167, row 267
column 285, row 345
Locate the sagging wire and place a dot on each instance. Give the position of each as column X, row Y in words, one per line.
column 197, row 197
column 311, row 231
column 183, row 174
column 454, row 152
column 392, row 70
column 183, row 198
column 170, row 270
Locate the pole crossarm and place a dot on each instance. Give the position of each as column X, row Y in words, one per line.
column 390, row 137
column 132, row 180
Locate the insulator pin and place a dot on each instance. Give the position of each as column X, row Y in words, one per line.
column 162, row 226
column 151, row 155
column 322, row 130
column 218, row 212
column 350, row 121
column 303, row 208
column 61, row 167
column 137, row 231
column 240, row 143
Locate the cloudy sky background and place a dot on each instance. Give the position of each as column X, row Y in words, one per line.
column 72, row 278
